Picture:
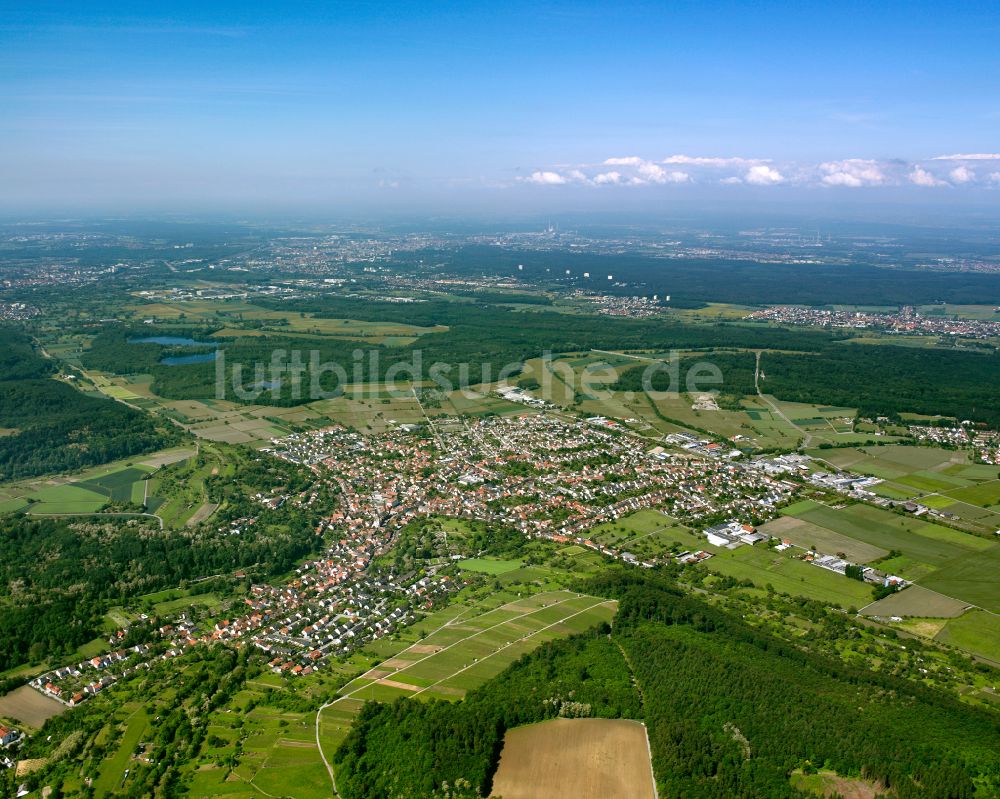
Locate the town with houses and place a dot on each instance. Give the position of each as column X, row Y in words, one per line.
column 545, row 475
column 985, row 444
column 906, row 320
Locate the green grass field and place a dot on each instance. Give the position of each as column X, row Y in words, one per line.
column 112, row 773
column 121, row 481
column 764, row 567
column 972, row 578
column 66, row 499
column 489, row 565
column 984, row 495
column 922, row 541
column 461, row 647
column 975, row 631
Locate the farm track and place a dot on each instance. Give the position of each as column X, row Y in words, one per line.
column 427, row 656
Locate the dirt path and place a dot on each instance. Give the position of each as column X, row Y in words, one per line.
column 806, row 436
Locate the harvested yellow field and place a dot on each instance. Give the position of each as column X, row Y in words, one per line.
column 576, row 759
column 29, row 707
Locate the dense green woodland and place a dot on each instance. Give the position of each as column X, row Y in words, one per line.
column 799, row 365
column 60, row 428
column 482, row 336
column 59, row 576
column 411, row 748
column 719, row 280
column 703, row 675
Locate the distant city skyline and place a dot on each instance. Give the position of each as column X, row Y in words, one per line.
column 497, row 108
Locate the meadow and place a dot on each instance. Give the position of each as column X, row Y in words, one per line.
column 944, row 480
column 976, row 631
column 460, row 648
column 89, row 490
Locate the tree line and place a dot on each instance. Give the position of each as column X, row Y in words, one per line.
column 731, row 711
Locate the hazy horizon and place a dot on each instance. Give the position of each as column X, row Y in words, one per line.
column 472, row 108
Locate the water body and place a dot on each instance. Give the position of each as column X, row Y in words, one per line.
column 178, row 341
column 179, row 360
column 172, row 341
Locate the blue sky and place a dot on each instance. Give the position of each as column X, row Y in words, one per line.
column 216, row 104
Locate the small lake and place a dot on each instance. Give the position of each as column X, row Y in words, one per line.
column 178, row 341
column 180, row 360
column 172, row 341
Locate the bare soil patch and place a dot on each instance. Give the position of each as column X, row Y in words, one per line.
column 425, row 649
column 576, row 759
column 29, row 707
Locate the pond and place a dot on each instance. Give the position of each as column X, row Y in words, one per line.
column 178, row 341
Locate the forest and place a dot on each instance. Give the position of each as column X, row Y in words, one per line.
column 798, row 364
column 487, row 338
column 59, row 576
column 877, row 380
column 731, row 711
column 58, row 428
column 411, row 749
column 745, row 282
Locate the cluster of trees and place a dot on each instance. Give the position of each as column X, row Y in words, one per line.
column 411, row 749
column 704, row 671
column 738, row 369
column 58, row 576
column 884, row 381
column 59, row 428
column 731, row 711
column 720, row 280
column 177, row 698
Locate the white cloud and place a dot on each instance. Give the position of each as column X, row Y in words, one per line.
column 545, row 178
column 693, row 160
column 654, row 173
column 644, row 172
column 852, row 172
column 962, row 174
column 761, row 175
column 636, row 171
column 968, row 157
column 921, row 177
column 606, row 178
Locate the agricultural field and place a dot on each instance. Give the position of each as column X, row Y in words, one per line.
column 26, row 706
column 945, row 480
column 460, row 648
column 917, row 601
column 756, row 421
column 811, row 536
column 972, row 578
column 923, row 542
column 957, row 569
column 576, row 759
column 976, row 631
column 88, row 491
column 785, row 573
